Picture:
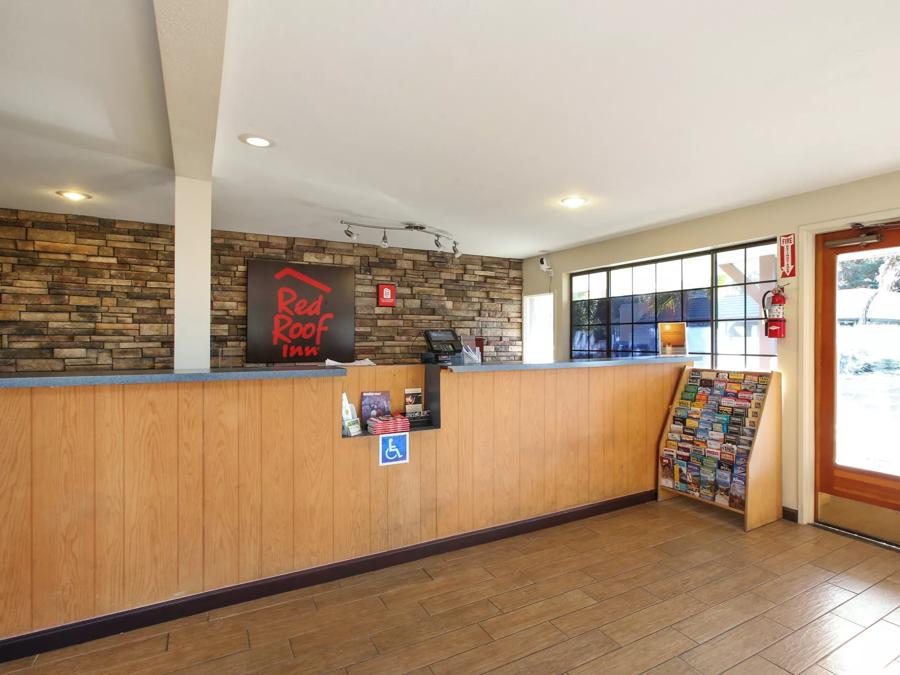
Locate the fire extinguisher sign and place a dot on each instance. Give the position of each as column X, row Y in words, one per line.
column 787, row 255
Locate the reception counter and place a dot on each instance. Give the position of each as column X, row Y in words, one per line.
column 124, row 491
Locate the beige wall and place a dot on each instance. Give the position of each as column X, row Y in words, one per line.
column 829, row 208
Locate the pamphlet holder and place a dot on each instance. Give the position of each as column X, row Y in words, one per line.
column 762, row 501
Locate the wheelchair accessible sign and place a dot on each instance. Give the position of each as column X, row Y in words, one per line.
column 393, row 449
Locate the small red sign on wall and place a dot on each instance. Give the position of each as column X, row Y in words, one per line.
column 787, row 255
column 387, row 295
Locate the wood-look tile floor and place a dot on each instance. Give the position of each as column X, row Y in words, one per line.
column 675, row 587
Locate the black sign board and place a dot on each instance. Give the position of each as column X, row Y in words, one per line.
column 299, row 313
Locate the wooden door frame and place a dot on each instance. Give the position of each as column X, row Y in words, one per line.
column 856, row 484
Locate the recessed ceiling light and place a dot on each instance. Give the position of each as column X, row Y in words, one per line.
column 255, row 141
column 73, row 196
column 573, row 202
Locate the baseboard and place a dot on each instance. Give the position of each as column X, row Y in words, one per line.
column 66, row 635
column 789, row 514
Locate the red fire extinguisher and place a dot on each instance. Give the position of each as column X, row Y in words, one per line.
column 776, row 327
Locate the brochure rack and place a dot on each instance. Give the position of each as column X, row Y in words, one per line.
column 733, row 425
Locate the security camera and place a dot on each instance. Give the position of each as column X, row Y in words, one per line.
column 544, row 264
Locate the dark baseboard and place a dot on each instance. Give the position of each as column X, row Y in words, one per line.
column 789, row 514
column 112, row 624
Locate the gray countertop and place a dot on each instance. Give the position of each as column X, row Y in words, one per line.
column 89, row 378
column 576, row 363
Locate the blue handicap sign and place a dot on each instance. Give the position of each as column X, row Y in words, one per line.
column 393, row 449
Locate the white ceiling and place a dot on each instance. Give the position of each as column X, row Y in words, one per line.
column 82, row 107
column 471, row 116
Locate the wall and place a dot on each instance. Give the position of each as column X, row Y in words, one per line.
column 81, row 293
column 476, row 295
column 842, row 204
column 118, row 496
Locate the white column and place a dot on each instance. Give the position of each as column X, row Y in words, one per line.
column 193, row 242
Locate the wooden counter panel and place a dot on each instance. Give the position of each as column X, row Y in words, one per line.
column 276, row 426
column 15, row 505
column 448, row 495
column 507, row 430
column 250, row 560
column 220, row 484
column 63, row 503
column 428, row 487
column 150, row 486
column 601, row 437
column 479, row 409
column 109, row 474
column 191, row 443
column 568, row 444
column 352, row 494
column 146, row 492
column 464, row 388
column 316, row 418
column 531, row 443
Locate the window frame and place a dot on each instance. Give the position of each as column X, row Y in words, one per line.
column 712, row 288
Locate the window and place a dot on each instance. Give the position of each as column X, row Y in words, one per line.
column 538, row 328
column 615, row 310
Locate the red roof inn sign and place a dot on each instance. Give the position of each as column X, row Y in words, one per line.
column 299, row 313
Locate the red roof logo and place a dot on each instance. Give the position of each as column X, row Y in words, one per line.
column 288, row 272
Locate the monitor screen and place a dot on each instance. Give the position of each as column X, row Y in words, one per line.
column 441, row 336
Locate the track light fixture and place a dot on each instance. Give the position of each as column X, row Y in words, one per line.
column 439, row 235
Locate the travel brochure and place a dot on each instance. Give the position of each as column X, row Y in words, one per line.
column 412, row 398
column 710, row 435
column 375, row 404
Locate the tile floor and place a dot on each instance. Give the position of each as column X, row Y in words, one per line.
column 676, row 587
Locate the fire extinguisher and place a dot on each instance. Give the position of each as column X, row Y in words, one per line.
column 776, row 326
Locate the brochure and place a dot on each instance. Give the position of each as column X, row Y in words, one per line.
column 375, row 404
column 412, row 398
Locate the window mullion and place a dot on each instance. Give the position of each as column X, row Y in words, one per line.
column 571, row 312
column 713, row 314
column 608, row 315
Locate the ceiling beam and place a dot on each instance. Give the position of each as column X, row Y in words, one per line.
column 192, row 47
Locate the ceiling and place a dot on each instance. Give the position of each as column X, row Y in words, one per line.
column 474, row 117
column 82, row 108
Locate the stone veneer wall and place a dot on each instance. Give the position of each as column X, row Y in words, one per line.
column 82, row 293
column 476, row 295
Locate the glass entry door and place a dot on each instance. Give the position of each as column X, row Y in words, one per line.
column 858, row 383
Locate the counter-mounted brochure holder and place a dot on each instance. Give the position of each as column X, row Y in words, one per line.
column 395, row 381
column 722, row 443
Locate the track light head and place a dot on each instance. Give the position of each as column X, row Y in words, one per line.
column 456, row 252
column 438, row 244
column 351, row 234
column 384, row 240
